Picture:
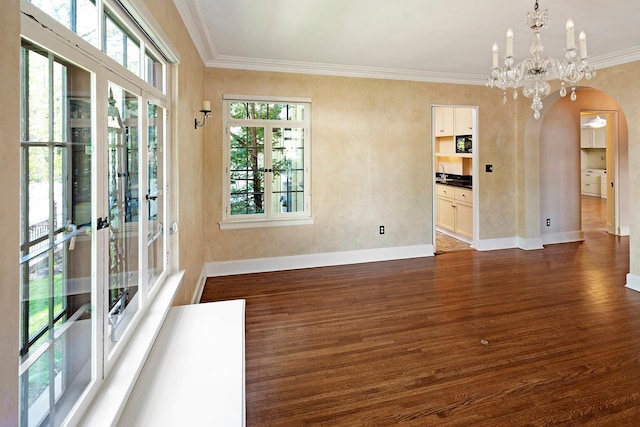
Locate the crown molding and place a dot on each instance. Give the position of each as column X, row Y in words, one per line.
column 619, row 57
column 192, row 14
column 302, row 67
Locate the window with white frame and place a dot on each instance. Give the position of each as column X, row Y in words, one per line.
column 93, row 247
column 267, row 168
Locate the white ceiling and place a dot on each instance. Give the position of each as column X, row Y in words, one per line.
column 423, row 40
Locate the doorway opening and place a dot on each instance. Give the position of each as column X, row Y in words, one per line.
column 598, row 142
column 455, row 193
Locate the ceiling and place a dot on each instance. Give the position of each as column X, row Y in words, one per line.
column 422, row 40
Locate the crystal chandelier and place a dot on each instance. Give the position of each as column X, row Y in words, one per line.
column 532, row 73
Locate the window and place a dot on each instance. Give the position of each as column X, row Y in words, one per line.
column 267, row 169
column 55, row 252
column 93, row 249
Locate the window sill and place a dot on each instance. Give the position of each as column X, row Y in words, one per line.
column 112, row 397
column 264, row 223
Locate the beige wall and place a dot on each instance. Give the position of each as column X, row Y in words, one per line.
column 371, row 163
column 187, row 148
column 9, row 208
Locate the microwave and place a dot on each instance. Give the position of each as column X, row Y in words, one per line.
column 464, row 144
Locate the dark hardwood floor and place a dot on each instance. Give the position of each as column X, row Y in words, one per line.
column 502, row 338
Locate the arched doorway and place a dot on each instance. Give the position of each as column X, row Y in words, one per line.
column 560, row 166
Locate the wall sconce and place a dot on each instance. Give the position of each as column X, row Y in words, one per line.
column 206, row 113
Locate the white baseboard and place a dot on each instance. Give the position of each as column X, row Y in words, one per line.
column 260, row 265
column 495, row 244
column 633, row 282
column 197, row 294
column 563, row 237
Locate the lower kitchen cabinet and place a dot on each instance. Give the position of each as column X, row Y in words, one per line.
column 454, row 209
column 591, row 182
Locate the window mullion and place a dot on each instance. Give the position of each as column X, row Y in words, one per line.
column 268, row 164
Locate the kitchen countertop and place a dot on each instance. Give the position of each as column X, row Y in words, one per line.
column 463, row 181
column 455, row 183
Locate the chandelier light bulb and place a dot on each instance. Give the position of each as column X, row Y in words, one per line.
column 571, row 41
column 583, row 45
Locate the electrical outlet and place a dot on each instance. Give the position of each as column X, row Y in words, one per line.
column 382, row 229
column 548, row 222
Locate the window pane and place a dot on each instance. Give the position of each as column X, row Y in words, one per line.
column 265, row 111
column 60, row 10
column 154, row 74
column 155, row 196
column 288, row 170
column 86, row 21
column 247, row 170
column 55, row 255
column 114, row 41
column 133, row 56
column 122, row 158
column 80, row 16
column 37, row 97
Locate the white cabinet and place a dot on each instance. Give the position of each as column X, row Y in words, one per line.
column 463, row 121
column 591, row 182
column 443, row 125
column 450, row 121
column 593, row 137
column 455, row 209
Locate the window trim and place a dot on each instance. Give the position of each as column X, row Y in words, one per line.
column 265, row 220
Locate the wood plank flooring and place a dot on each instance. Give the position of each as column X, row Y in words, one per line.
column 502, row 338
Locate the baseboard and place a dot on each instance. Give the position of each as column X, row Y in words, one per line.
column 563, row 237
column 495, row 244
column 261, row 265
column 633, row 282
column 197, row 294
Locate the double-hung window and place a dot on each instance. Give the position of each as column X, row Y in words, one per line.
column 267, row 168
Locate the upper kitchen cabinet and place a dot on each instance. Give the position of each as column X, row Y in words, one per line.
column 450, row 121
column 443, row 125
column 463, row 121
column 593, row 137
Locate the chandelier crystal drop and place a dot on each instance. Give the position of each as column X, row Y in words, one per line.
column 532, row 73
